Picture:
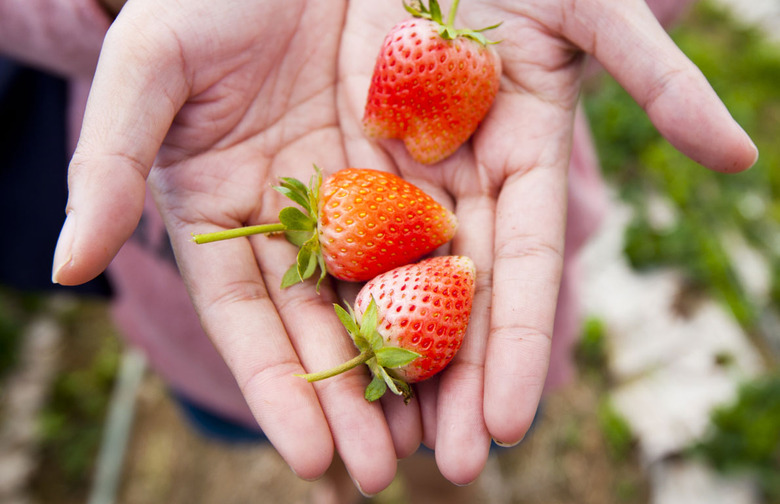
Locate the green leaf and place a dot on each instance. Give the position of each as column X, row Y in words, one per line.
column 435, row 11
column 297, row 197
column 297, row 191
column 358, row 338
column 360, row 341
column 293, row 184
column 295, row 220
column 448, row 33
column 417, row 9
column 375, row 389
column 398, row 387
column 347, row 320
column 297, row 238
column 394, row 357
column 307, row 261
column 368, row 326
column 323, row 269
column 381, row 372
column 291, row 277
column 375, row 340
column 314, row 192
column 351, row 311
column 477, row 37
column 491, row 27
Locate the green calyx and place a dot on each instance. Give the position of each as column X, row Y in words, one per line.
column 299, row 227
column 373, row 352
column 446, row 30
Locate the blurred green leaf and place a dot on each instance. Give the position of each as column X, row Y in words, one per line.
column 744, row 69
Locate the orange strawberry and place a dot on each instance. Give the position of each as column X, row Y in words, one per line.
column 355, row 225
column 408, row 323
column 432, row 84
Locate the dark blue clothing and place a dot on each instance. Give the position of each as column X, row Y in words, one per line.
column 33, row 177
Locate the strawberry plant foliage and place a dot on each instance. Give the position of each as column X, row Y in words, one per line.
column 373, row 352
column 301, row 228
column 447, row 30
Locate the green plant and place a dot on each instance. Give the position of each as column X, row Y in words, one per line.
column 744, row 68
column 591, row 350
column 617, row 433
column 745, row 435
column 16, row 310
column 10, row 335
column 71, row 424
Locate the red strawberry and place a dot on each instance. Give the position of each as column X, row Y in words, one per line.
column 408, row 323
column 357, row 224
column 432, row 84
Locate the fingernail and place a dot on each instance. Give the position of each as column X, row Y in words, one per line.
column 63, row 254
column 310, row 480
column 357, row 485
column 507, row 445
column 755, row 157
column 463, row 484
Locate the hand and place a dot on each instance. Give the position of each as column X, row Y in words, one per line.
column 508, row 187
column 210, row 103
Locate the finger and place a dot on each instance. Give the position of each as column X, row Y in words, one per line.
column 238, row 314
column 403, row 420
column 427, row 395
column 462, row 438
column 529, row 141
column 528, row 262
column 404, row 423
column 630, row 43
column 359, row 429
column 131, row 105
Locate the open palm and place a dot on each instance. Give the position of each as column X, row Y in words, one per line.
column 508, row 187
column 210, row 105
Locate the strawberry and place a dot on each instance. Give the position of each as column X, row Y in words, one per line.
column 408, row 323
column 432, row 84
column 356, row 224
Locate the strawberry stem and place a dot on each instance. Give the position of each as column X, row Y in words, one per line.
column 451, row 15
column 238, row 232
column 341, row 368
column 298, row 225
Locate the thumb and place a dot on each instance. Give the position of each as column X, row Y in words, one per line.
column 137, row 90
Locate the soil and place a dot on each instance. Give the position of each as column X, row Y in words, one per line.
column 565, row 459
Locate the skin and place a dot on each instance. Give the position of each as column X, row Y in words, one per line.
column 196, row 105
column 508, row 188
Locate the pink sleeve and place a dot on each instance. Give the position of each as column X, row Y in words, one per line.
column 62, row 37
column 668, row 11
column 154, row 313
column 587, row 204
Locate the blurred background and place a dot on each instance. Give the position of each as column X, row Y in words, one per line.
column 677, row 398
